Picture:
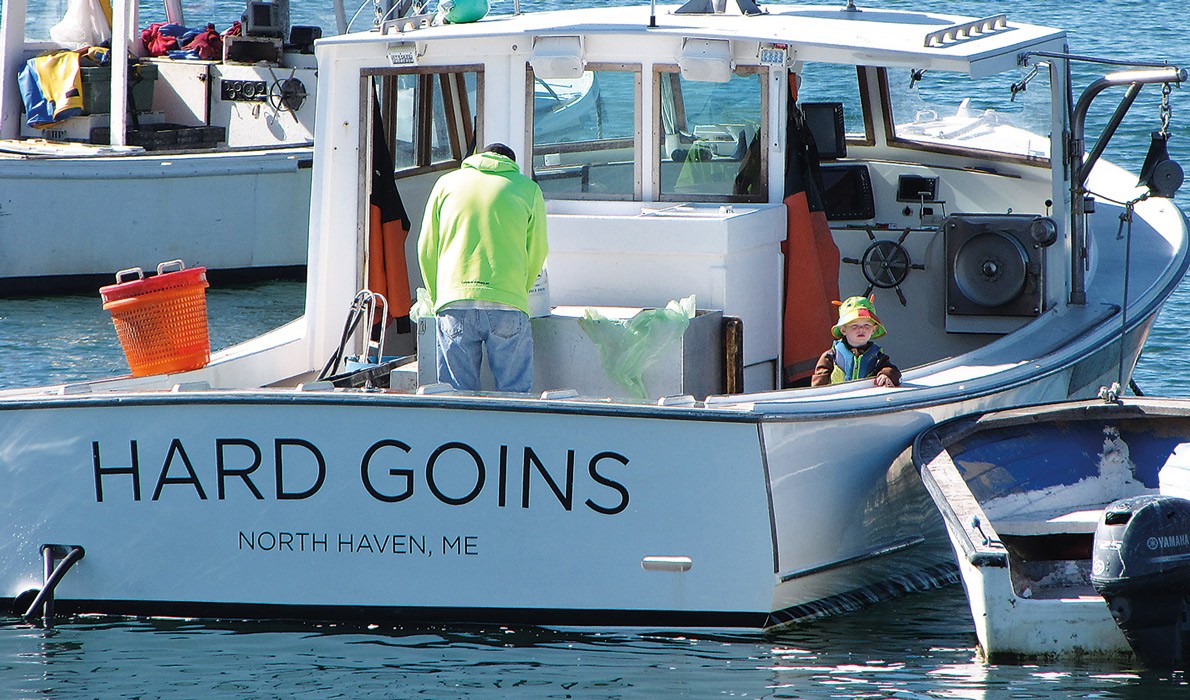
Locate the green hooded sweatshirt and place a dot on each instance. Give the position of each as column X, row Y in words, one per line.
column 483, row 235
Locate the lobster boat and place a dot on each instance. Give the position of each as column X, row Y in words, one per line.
column 743, row 167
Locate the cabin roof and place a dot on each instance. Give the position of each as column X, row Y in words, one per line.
column 813, row 33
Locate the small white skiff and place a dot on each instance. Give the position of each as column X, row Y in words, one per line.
column 1030, row 499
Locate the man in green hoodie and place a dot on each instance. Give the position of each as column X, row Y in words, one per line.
column 482, row 245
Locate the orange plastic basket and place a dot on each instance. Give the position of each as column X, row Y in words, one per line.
column 161, row 320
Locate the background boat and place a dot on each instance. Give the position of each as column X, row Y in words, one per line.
column 214, row 168
column 235, row 136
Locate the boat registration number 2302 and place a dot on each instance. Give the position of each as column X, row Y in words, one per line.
column 402, row 55
column 773, row 55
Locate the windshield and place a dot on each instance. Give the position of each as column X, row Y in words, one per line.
column 828, row 83
column 707, row 132
column 585, row 135
column 952, row 111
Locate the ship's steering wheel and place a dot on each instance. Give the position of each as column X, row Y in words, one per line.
column 886, row 263
column 288, row 94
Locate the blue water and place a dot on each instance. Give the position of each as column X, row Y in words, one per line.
column 919, row 646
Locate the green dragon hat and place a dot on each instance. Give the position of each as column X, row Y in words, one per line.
column 853, row 309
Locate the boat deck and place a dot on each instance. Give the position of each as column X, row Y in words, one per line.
column 1050, row 523
column 1079, row 594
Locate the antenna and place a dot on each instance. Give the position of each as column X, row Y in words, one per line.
column 652, row 13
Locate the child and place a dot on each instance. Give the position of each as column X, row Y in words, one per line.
column 853, row 355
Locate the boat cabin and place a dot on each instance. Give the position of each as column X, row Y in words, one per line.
column 675, row 159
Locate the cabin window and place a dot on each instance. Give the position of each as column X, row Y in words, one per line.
column 429, row 116
column 830, row 82
column 710, row 137
column 953, row 112
column 584, row 133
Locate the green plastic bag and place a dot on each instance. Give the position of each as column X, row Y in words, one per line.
column 628, row 348
column 423, row 307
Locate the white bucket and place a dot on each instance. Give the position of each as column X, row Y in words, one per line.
column 539, row 295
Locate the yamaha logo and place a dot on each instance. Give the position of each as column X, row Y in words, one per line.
column 1168, row 541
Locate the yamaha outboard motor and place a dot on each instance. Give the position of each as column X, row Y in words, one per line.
column 1141, row 566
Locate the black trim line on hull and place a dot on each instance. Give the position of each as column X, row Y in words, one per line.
column 768, row 494
column 560, row 617
column 931, row 577
column 870, row 554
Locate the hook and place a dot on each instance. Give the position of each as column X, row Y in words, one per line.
column 1023, row 84
column 1166, row 110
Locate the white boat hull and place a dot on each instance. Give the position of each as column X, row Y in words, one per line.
column 481, row 533
column 69, row 221
column 327, row 505
column 1009, row 626
column 754, row 509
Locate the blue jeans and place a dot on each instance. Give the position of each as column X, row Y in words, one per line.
column 507, row 336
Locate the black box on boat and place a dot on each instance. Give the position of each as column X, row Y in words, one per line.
column 158, row 137
column 97, row 87
column 250, row 49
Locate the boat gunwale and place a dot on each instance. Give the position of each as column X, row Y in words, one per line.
column 766, row 407
column 224, row 151
column 366, row 398
column 783, row 409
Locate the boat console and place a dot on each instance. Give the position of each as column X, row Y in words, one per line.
column 847, row 192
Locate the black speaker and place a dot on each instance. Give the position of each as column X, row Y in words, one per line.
column 266, row 19
column 302, row 37
column 995, row 263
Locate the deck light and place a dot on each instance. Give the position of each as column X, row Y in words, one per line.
column 705, row 60
column 557, row 57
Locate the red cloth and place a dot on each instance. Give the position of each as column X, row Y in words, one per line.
column 388, row 271
column 388, row 229
column 208, row 44
column 156, row 43
column 811, row 259
column 811, row 282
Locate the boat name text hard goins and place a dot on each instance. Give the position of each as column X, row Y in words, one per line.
column 390, row 471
